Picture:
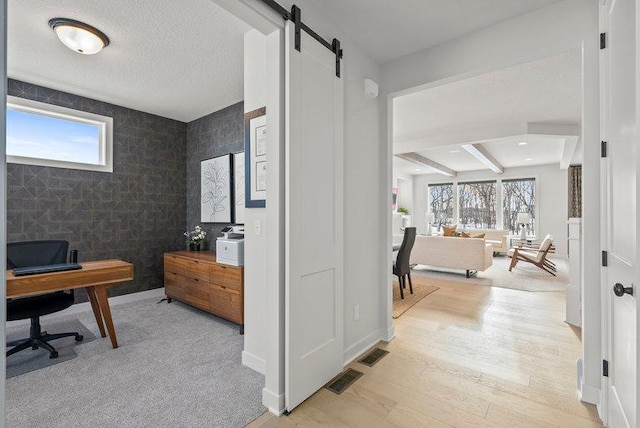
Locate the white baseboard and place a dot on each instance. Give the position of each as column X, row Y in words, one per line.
column 253, row 362
column 355, row 350
column 273, row 402
column 391, row 334
column 589, row 394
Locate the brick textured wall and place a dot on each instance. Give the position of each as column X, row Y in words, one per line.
column 135, row 213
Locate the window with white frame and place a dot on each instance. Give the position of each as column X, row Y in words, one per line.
column 477, row 205
column 441, row 202
column 48, row 135
column 519, row 196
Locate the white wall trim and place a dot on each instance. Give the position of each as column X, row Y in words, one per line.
column 358, row 348
column 589, row 394
column 253, row 362
column 273, row 402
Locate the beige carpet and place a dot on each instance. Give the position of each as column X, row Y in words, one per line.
column 524, row 276
column 420, row 291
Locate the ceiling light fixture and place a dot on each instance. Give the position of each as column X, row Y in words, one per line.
column 528, row 159
column 523, row 143
column 78, row 36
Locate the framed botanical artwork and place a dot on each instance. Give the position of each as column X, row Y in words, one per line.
column 255, row 152
column 216, row 198
column 238, row 187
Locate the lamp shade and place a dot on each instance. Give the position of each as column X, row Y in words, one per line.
column 429, row 217
column 524, row 218
column 78, row 36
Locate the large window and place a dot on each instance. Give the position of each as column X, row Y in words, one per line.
column 441, row 202
column 519, row 196
column 477, row 202
column 48, row 135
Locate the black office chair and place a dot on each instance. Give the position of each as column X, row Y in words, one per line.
column 37, row 253
column 402, row 267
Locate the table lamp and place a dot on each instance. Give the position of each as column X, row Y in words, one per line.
column 430, row 218
column 523, row 220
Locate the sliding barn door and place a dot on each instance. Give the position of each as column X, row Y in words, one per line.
column 314, row 218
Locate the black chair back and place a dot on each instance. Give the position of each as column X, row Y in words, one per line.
column 36, row 253
column 402, row 266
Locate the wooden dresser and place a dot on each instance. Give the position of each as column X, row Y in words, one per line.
column 195, row 278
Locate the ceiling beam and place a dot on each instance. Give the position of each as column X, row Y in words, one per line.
column 569, row 148
column 480, row 153
column 422, row 161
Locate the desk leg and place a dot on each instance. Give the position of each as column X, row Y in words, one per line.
column 91, row 291
column 101, row 293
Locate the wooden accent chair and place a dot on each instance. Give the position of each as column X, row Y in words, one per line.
column 537, row 257
column 402, row 267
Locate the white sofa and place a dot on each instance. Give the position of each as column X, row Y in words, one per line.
column 496, row 237
column 469, row 254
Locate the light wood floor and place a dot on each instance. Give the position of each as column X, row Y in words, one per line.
column 465, row 356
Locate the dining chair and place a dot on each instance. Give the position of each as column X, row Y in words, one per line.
column 402, row 266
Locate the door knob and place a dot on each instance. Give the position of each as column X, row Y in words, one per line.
column 620, row 290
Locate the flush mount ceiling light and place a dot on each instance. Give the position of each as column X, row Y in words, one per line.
column 523, row 143
column 78, row 36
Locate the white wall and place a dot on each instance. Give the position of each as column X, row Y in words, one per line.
column 255, row 96
column 405, row 193
column 568, row 24
column 551, row 184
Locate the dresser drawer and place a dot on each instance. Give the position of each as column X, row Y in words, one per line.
column 174, row 286
column 197, row 293
column 191, row 268
column 226, row 303
column 226, row 276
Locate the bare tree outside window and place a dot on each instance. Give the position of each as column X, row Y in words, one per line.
column 477, row 205
column 519, row 196
column 441, row 203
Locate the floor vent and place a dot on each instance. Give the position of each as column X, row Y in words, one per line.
column 373, row 357
column 341, row 382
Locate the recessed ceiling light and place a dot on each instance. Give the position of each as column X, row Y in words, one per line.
column 454, row 151
column 528, row 159
column 523, row 143
column 78, row 36
column 418, row 169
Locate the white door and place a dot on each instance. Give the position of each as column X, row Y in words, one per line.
column 313, row 218
column 621, row 131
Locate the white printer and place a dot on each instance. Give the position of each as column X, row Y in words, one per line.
column 230, row 247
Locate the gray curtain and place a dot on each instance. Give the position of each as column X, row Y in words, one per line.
column 575, row 191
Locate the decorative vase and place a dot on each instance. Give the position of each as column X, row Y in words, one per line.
column 194, row 246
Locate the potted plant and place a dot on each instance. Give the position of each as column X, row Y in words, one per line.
column 195, row 238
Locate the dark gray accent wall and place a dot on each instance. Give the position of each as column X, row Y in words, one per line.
column 213, row 135
column 135, row 213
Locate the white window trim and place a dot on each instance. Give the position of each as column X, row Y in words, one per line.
column 104, row 123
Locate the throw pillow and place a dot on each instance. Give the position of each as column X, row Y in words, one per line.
column 464, row 235
column 449, row 230
column 480, row 236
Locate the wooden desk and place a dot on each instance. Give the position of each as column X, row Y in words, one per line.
column 95, row 277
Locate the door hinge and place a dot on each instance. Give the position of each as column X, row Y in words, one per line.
column 603, row 40
column 603, row 149
column 605, row 258
column 605, row 368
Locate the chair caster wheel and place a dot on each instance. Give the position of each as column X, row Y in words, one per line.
column 79, row 338
column 54, row 354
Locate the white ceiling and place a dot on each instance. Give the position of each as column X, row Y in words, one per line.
column 176, row 59
column 183, row 59
column 531, row 102
column 389, row 30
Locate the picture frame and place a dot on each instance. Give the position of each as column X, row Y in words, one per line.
column 255, row 150
column 216, row 198
column 239, row 187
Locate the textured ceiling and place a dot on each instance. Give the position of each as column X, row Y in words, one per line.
column 177, row 59
column 389, row 30
column 494, row 109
